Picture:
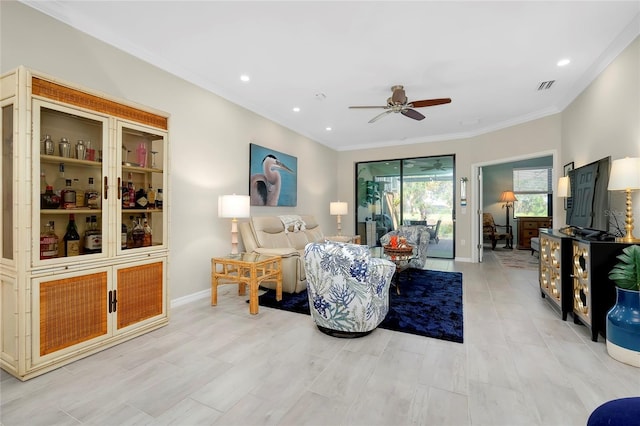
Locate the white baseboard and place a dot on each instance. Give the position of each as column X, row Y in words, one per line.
column 190, row 298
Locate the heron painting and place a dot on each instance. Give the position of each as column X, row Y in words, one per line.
column 273, row 180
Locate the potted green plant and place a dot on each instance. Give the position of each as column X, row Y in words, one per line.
column 623, row 320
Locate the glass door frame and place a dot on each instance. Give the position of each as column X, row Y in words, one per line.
column 369, row 197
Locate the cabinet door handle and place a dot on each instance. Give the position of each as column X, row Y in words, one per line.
column 119, row 186
column 110, row 300
column 115, row 300
column 106, row 187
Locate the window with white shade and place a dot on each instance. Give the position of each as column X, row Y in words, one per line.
column 533, row 189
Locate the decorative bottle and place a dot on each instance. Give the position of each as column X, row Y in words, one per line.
column 92, row 196
column 159, row 198
column 132, row 192
column 123, row 236
column 43, row 182
column 151, row 197
column 93, row 237
column 80, row 194
column 49, row 242
column 72, row 238
column 141, row 154
column 49, row 200
column 147, row 232
column 68, row 196
column 61, row 181
column 142, row 201
column 138, row 233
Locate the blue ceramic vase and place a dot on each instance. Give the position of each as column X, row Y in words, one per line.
column 623, row 327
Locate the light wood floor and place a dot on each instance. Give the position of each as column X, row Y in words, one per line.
column 520, row 364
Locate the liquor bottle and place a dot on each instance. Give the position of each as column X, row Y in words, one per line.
column 141, row 199
column 125, row 196
column 72, row 238
column 132, row 192
column 123, row 236
column 138, row 234
column 80, row 194
column 92, row 196
column 68, row 196
column 60, row 182
column 151, row 197
column 43, row 182
column 92, row 237
column 147, row 232
column 159, row 199
column 49, row 241
column 130, row 232
column 49, row 200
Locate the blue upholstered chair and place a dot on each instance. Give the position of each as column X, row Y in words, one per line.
column 348, row 289
column 417, row 236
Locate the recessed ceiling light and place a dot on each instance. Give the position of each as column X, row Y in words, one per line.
column 328, row 129
column 563, row 62
column 245, row 78
column 296, row 109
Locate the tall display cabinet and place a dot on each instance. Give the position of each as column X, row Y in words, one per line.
column 61, row 303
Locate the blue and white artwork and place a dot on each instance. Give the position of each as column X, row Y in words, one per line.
column 272, row 177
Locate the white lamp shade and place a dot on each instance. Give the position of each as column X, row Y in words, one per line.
column 338, row 208
column 234, row 206
column 564, row 187
column 625, row 174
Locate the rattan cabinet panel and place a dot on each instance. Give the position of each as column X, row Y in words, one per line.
column 140, row 293
column 58, row 306
column 72, row 311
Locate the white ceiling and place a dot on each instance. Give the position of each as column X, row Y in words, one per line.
column 488, row 57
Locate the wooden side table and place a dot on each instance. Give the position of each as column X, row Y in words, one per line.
column 243, row 269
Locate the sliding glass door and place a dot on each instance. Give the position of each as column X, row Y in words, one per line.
column 404, row 192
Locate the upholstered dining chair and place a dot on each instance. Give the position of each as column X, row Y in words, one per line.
column 433, row 231
column 348, row 289
column 495, row 232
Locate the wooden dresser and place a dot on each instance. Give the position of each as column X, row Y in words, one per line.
column 528, row 228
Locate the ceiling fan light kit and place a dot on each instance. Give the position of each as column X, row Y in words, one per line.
column 398, row 102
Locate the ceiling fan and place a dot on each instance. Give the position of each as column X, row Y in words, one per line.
column 437, row 165
column 398, row 102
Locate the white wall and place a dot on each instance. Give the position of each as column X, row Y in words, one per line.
column 605, row 120
column 209, row 137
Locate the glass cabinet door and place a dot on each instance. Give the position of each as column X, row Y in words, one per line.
column 141, row 163
column 69, row 183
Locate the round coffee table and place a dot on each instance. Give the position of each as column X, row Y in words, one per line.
column 401, row 257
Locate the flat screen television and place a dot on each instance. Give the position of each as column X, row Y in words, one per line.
column 588, row 207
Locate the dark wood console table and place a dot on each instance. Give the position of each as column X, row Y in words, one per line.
column 573, row 275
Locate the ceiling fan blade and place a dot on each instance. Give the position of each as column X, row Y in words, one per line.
column 430, row 102
column 412, row 113
column 359, row 107
column 379, row 116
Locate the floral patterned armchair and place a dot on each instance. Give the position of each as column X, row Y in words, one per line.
column 417, row 236
column 348, row 289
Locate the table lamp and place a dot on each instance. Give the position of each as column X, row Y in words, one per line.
column 625, row 176
column 234, row 207
column 564, row 187
column 338, row 208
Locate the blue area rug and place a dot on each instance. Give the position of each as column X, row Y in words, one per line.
column 430, row 304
